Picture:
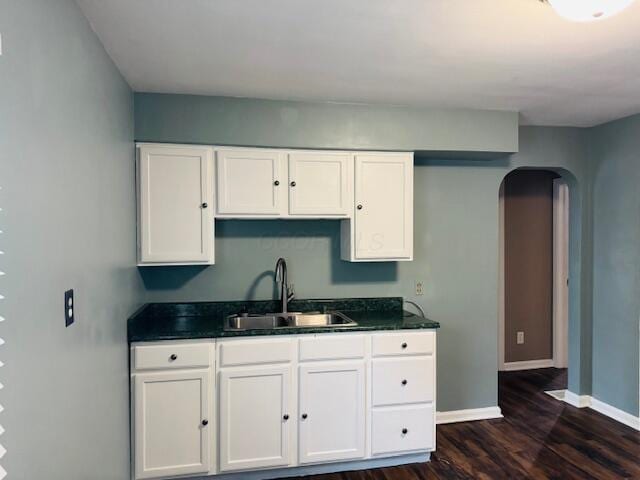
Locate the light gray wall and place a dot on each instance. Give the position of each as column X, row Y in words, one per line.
column 67, row 178
column 275, row 123
column 456, row 233
column 615, row 149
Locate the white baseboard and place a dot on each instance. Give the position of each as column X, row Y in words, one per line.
column 468, row 415
column 527, row 365
column 615, row 413
column 584, row 401
column 580, row 401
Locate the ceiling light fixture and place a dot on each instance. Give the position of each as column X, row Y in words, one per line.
column 588, row 10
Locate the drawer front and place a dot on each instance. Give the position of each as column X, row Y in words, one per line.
column 332, row 347
column 402, row 429
column 406, row 343
column 399, row 381
column 172, row 355
column 255, row 352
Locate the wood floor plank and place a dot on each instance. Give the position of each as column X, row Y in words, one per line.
column 539, row 438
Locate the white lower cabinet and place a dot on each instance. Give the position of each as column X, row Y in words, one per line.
column 172, row 430
column 402, row 429
column 281, row 402
column 332, row 412
column 255, row 422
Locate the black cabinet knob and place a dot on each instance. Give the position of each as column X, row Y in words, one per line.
column 205, row 422
column 293, row 184
column 404, row 345
column 286, row 416
column 405, row 431
column 276, row 183
column 173, row 356
column 205, row 205
column 404, row 382
column 304, row 416
column 359, row 207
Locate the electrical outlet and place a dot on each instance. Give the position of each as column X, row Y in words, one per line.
column 69, row 308
column 520, row 338
column 419, row 289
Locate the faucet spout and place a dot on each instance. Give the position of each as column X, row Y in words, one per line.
column 281, row 277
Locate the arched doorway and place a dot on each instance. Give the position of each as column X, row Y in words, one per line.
column 533, row 303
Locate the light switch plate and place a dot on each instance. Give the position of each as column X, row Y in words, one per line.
column 520, row 338
column 69, row 308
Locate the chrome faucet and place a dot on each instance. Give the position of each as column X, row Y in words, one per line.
column 286, row 291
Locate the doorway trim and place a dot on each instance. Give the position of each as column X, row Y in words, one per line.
column 560, row 287
column 501, row 298
column 560, row 273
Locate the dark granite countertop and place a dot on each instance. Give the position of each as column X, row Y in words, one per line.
column 173, row 321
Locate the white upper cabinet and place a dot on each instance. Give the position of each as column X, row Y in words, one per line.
column 251, row 182
column 255, row 421
column 320, row 183
column 175, row 205
column 172, row 423
column 180, row 190
column 382, row 227
column 332, row 412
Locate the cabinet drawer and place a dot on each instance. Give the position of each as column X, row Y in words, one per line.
column 402, row 429
column 332, row 347
column 402, row 380
column 255, row 352
column 406, row 343
column 172, row 355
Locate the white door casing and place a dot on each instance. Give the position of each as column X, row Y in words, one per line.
column 560, row 273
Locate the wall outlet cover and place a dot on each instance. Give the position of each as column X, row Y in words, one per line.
column 419, row 287
column 69, row 308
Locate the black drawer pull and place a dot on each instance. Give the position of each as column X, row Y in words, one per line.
column 405, row 431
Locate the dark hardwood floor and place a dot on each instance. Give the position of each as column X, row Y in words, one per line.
column 539, row 438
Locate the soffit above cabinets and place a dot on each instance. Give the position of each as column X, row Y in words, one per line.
column 460, row 134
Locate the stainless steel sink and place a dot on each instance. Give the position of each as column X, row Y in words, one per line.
column 287, row 320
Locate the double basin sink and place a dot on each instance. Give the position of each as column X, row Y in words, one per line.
column 272, row 321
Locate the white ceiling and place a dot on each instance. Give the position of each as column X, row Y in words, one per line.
column 485, row 54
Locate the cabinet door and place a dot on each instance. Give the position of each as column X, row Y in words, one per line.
column 384, row 207
column 251, row 182
column 175, row 213
column 172, row 431
column 331, row 412
column 320, row 183
column 254, row 418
